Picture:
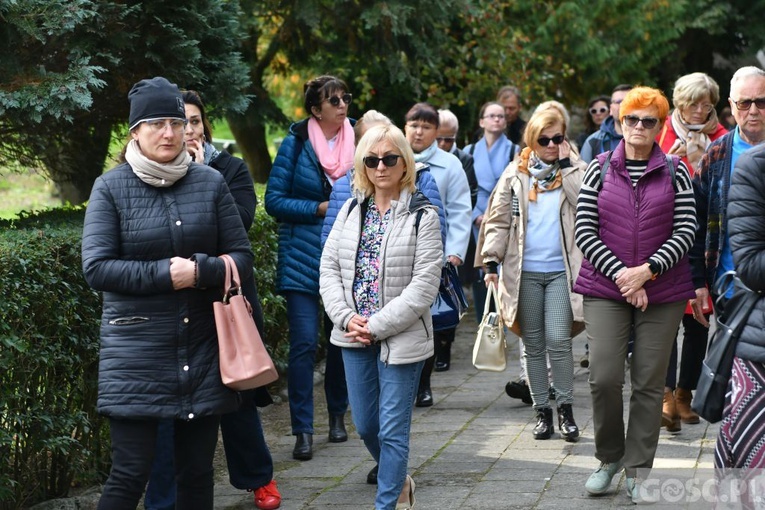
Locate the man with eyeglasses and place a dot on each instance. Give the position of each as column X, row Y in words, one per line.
column 446, row 136
column 610, row 133
column 711, row 253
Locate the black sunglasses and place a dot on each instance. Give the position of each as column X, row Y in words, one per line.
column 447, row 139
column 647, row 122
column 389, row 160
column 335, row 100
column 602, row 109
column 544, row 141
column 746, row 104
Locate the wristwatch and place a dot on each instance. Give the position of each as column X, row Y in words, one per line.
column 654, row 268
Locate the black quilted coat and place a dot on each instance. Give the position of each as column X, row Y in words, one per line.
column 746, row 227
column 159, row 349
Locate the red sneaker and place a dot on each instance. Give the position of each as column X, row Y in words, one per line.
column 268, row 496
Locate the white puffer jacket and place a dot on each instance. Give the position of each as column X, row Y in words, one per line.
column 410, row 274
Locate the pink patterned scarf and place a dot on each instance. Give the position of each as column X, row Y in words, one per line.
column 337, row 161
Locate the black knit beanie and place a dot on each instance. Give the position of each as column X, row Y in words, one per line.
column 156, row 98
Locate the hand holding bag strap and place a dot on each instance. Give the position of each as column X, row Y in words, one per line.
column 491, row 297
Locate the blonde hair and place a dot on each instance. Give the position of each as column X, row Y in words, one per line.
column 373, row 137
column 370, row 119
column 541, row 119
column 694, row 87
column 557, row 105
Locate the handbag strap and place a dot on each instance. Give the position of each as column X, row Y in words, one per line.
column 231, row 284
column 491, row 297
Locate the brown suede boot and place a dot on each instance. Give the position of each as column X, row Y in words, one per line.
column 669, row 416
column 683, row 403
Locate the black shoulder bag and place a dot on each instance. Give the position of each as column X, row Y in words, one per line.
column 731, row 316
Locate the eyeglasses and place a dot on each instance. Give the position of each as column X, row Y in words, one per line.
column 745, row 104
column 702, row 107
column 335, row 100
column 159, row 125
column 594, row 111
column 389, row 160
column 494, row 116
column 647, row 122
column 544, row 141
column 445, row 139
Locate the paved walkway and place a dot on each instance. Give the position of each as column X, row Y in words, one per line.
column 472, row 450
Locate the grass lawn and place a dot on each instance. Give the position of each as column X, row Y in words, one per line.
column 25, row 192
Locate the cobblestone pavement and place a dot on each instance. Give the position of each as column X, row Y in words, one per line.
column 472, row 450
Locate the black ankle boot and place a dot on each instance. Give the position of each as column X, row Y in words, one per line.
column 566, row 423
column 443, row 356
column 544, row 428
column 337, row 432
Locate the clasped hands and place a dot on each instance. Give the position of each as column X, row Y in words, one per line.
column 357, row 330
column 630, row 281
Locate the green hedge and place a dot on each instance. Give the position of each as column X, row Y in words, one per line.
column 50, row 436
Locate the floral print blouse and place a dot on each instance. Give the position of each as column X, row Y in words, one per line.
column 366, row 284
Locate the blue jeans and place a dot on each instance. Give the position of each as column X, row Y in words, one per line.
column 248, row 458
column 303, row 319
column 382, row 399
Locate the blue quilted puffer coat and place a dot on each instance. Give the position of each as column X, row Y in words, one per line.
column 296, row 187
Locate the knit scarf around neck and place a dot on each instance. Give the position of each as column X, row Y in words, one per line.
column 544, row 177
column 424, row 156
column 159, row 175
column 339, row 159
column 692, row 139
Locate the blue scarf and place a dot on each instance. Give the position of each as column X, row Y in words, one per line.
column 424, row 156
column 490, row 163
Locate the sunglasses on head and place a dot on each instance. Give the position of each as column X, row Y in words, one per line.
column 602, row 109
column 335, row 100
column 544, row 141
column 746, row 104
column 647, row 122
column 389, row 160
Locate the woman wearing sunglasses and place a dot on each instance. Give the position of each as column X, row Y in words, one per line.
column 380, row 271
column 635, row 222
column 687, row 133
column 597, row 112
column 316, row 153
column 529, row 230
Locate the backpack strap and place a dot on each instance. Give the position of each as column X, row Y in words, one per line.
column 604, row 168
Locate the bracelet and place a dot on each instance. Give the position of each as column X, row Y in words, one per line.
column 196, row 273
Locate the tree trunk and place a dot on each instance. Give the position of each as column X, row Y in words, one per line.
column 76, row 159
column 250, row 134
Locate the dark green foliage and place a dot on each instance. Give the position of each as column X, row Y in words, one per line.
column 50, row 434
column 63, row 90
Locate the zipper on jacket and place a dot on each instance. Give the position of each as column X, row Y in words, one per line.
column 126, row 321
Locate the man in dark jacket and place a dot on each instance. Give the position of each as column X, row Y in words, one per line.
column 510, row 98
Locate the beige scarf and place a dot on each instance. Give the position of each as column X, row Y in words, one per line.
column 692, row 139
column 159, row 175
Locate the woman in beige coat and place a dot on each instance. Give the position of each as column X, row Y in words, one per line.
column 380, row 271
column 529, row 230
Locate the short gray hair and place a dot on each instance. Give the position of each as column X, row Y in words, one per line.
column 745, row 72
column 447, row 118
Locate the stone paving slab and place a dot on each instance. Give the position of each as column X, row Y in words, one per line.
column 472, row 450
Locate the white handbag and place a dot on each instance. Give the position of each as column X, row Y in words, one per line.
column 489, row 348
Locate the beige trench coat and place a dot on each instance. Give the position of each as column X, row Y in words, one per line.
column 502, row 237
